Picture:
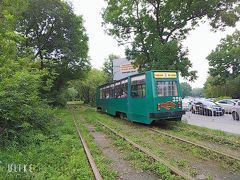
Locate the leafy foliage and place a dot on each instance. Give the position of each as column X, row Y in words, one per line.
column 56, row 156
column 225, row 60
column 108, row 65
column 154, row 28
column 72, row 94
column 59, row 41
column 87, row 87
column 186, row 89
column 197, row 92
column 21, row 108
column 232, row 88
column 224, row 69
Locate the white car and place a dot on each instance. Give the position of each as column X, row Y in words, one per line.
column 227, row 104
column 186, row 104
column 207, row 108
column 236, row 111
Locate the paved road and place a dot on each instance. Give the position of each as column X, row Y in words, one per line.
column 224, row 123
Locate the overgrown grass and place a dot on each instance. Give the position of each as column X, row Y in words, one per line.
column 102, row 162
column 146, row 139
column 208, row 132
column 226, row 141
column 134, row 156
column 139, row 159
column 56, row 156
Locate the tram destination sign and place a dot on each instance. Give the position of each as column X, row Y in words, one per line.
column 165, row 75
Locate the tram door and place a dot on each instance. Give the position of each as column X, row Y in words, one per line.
column 137, row 99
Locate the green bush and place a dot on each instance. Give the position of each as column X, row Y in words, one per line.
column 21, row 108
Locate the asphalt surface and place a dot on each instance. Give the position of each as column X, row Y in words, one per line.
column 224, row 123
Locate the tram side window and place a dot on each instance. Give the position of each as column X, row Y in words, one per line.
column 166, row 88
column 111, row 91
column 107, row 92
column 124, row 89
column 102, row 93
column 138, row 86
column 117, row 87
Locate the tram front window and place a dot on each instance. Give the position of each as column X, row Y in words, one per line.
column 166, row 88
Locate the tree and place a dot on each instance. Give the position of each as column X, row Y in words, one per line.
column 58, row 39
column 186, row 89
column 197, row 92
column 154, row 28
column 21, row 107
column 87, row 87
column 72, row 93
column 213, row 90
column 108, row 66
column 224, row 61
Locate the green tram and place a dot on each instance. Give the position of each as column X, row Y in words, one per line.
column 147, row 97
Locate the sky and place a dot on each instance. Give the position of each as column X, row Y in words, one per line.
column 200, row 42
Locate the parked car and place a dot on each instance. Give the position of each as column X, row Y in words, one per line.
column 236, row 111
column 207, row 108
column 227, row 104
column 186, row 104
column 210, row 99
column 236, row 100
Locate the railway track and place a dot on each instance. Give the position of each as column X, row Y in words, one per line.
column 91, row 161
column 210, row 136
column 191, row 143
column 195, row 144
column 233, row 157
column 174, row 170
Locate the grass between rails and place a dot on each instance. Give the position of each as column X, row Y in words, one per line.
column 216, row 136
column 128, row 130
column 222, row 144
column 101, row 161
column 56, row 156
column 137, row 158
column 134, row 156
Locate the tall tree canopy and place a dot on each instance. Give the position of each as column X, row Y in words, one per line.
column 155, row 28
column 224, row 69
column 58, row 39
column 87, row 87
column 108, row 66
column 21, row 107
column 186, row 89
column 224, row 61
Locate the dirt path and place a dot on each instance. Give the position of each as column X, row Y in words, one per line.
column 124, row 168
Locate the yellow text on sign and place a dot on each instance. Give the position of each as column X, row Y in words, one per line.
column 127, row 68
column 165, row 75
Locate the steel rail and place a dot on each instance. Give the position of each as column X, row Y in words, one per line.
column 195, row 144
column 233, row 142
column 173, row 169
column 91, row 161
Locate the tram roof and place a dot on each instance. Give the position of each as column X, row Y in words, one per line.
column 136, row 75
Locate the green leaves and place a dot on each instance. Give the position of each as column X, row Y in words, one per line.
column 225, row 60
column 186, row 89
column 153, row 30
column 87, row 87
column 224, row 69
column 58, row 40
column 108, row 66
column 21, row 107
